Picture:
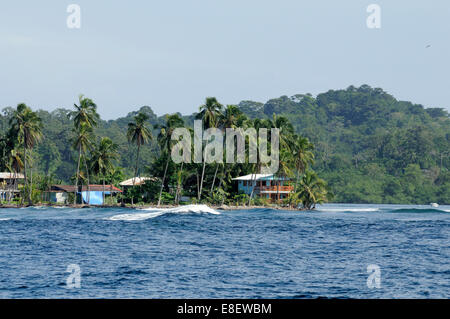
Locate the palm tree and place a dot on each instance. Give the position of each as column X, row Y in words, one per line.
column 209, row 114
column 232, row 117
column 312, row 190
column 138, row 133
column 85, row 118
column 102, row 159
column 286, row 130
column 83, row 138
column 85, row 113
column 28, row 127
column 256, row 167
column 303, row 155
column 165, row 139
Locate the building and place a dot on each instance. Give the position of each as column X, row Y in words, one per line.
column 9, row 185
column 137, row 181
column 269, row 186
column 60, row 193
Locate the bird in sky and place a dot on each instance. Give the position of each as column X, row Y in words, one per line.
column 428, row 46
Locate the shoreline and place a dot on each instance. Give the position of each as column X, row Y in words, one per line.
column 217, row 207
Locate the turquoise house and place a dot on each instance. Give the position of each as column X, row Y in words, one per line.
column 265, row 185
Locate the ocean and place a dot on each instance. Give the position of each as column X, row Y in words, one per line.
column 337, row 251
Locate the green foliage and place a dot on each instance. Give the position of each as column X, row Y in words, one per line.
column 367, row 145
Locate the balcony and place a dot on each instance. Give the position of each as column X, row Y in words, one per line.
column 274, row 189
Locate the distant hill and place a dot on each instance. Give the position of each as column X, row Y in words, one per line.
column 370, row 147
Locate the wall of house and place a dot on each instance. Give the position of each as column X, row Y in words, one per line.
column 59, row 198
column 246, row 186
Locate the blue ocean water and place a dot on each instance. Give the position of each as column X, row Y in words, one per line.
column 261, row 253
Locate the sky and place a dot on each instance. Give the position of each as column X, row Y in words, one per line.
column 171, row 55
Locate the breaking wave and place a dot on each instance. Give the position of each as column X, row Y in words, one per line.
column 155, row 212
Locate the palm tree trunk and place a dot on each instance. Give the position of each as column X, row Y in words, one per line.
column 253, row 184
column 13, row 187
column 203, row 175
column 103, row 195
column 111, row 190
column 214, row 179
column 136, row 170
column 162, row 182
column 76, row 177
column 253, row 189
column 25, row 170
column 222, row 176
column 137, row 163
column 278, row 192
column 31, row 186
column 177, row 195
column 88, row 183
column 198, row 183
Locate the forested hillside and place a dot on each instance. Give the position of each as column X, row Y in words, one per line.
column 369, row 147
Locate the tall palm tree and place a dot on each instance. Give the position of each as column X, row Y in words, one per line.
column 103, row 157
column 303, row 155
column 85, row 113
column 165, row 140
column 83, row 143
column 286, row 145
column 286, row 130
column 232, row 117
column 209, row 114
column 28, row 127
column 138, row 133
column 85, row 118
column 256, row 167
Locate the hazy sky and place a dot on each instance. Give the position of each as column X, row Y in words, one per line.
column 170, row 55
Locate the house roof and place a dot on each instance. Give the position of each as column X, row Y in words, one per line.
column 137, row 181
column 7, row 175
column 92, row 188
column 251, row 177
column 259, row 177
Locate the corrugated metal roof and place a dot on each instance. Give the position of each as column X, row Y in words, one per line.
column 250, row 177
column 257, row 177
column 92, row 188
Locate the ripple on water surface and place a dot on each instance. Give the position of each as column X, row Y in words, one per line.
column 198, row 252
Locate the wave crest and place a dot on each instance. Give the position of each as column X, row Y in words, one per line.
column 155, row 212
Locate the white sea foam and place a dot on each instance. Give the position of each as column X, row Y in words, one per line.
column 155, row 212
column 2, row 219
column 131, row 217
